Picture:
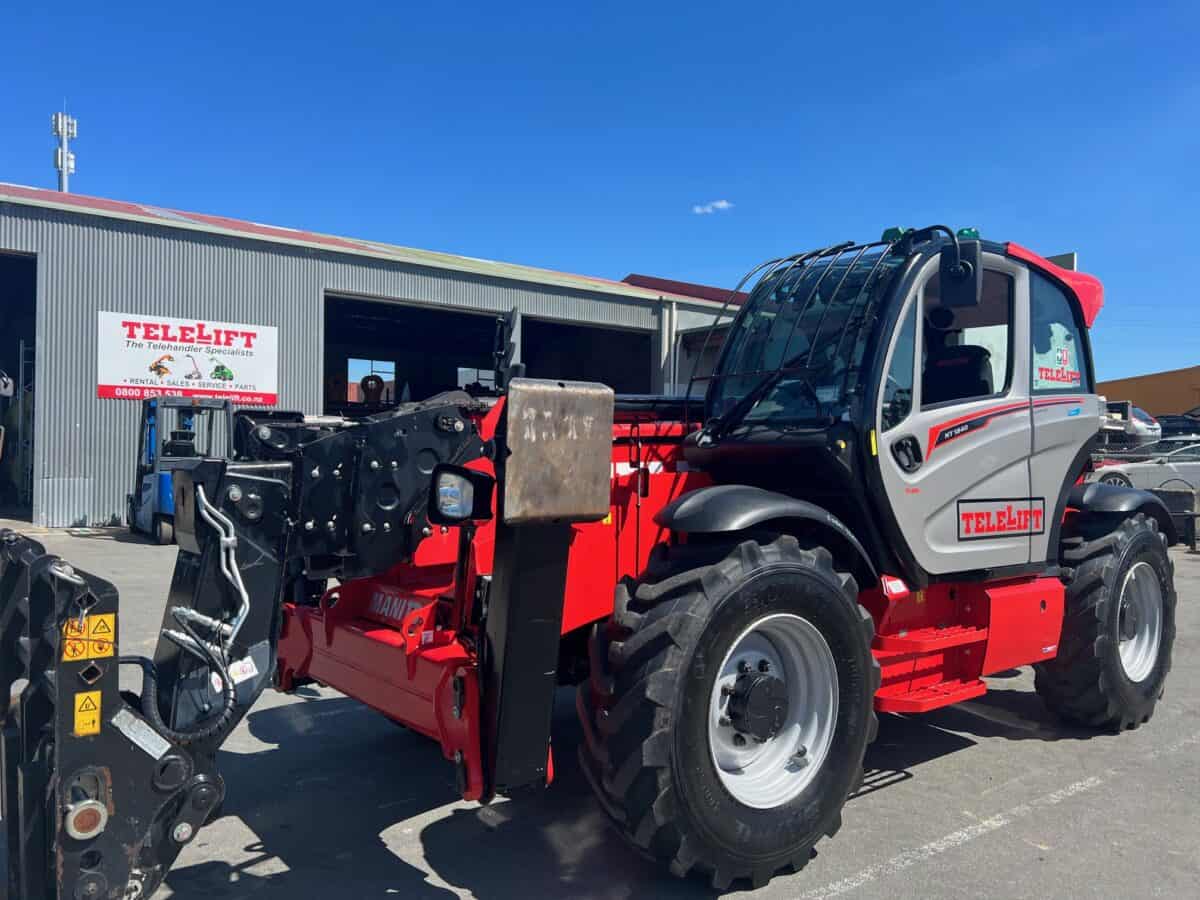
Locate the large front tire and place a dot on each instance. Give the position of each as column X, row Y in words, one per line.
column 1118, row 630
column 658, row 750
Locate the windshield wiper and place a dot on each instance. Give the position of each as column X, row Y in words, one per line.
column 735, row 414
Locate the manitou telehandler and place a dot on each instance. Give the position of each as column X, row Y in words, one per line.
column 882, row 504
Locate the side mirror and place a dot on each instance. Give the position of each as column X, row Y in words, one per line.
column 961, row 278
column 460, row 495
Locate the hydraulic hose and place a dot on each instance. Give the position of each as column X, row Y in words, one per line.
column 206, row 728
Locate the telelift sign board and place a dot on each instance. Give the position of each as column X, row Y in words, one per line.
column 144, row 356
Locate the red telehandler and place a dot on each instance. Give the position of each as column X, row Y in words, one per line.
column 881, row 504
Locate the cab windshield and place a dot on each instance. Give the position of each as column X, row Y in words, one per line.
column 805, row 328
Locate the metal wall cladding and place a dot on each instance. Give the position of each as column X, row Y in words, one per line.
column 85, row 447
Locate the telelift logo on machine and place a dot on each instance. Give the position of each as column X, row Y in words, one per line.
column 980, row 520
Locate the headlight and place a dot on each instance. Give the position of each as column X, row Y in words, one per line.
column 460, row 495
column 455, row 496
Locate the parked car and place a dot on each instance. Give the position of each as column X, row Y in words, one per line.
column 1164, row 465
column 1129, row 424
column 1186, row 423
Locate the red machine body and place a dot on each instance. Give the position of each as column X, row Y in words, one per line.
column 403, row 644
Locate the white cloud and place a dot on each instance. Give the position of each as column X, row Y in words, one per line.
column 707, row 209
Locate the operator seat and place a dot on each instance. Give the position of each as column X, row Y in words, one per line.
column 956, row 373
column 182, row 443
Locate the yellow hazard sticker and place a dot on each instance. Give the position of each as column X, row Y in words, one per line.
column 91, row 640
column 607, row 520
column 87, row 713
column 101, row 631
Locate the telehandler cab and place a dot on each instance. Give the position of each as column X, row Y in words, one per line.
column 882, row 505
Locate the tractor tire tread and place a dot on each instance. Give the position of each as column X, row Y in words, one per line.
column 642, row 655
column 1077, row 685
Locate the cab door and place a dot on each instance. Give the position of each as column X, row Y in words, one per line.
column 1066, row 412
column 953, row 428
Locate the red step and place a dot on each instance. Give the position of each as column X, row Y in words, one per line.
column 896, row 699
column 928, row 640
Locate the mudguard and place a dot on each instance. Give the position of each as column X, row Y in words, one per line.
column 1111, row 500
column 730, row 508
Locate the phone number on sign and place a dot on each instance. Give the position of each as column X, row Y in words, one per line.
column 126, row 392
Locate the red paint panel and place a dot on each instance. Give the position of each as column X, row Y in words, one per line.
column 934, row 645
column 1087, row 288
column 1026, row 623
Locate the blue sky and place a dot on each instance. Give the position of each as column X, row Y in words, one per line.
column 585, row 137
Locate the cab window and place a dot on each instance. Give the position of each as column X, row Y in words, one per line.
column 898, row 389
column 967, row 351
column 1059, row 365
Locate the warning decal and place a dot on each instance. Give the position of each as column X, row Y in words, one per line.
column 87, row 713
column 92, row 640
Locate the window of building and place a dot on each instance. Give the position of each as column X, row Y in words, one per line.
column 370, row 381
column 1059, row 365
column 477, row 380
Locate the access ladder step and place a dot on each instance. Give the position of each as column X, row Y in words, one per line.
column 928, row 640
column 895, row 699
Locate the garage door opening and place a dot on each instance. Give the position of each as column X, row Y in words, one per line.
column 18, row 323
column 620, row 359
column 378, row 354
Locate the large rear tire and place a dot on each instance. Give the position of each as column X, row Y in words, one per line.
column 730, row 704
column 1118, row 630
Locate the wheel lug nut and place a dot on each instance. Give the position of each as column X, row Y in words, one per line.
column 724, row 721
column 743, row 667
column 739, row 740
column 726, row 690
column 764, row 666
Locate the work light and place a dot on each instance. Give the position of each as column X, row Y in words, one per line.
column 460, row 495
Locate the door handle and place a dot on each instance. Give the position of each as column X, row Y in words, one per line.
column 907, row 453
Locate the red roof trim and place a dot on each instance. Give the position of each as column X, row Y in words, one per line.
column 687, row 288
column 1086, row 288
column 167, row 217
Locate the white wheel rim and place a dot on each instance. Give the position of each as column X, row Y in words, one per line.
column 1139, row 621
column 771, row 773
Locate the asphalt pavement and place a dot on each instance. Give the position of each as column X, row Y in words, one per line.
column 992, row 798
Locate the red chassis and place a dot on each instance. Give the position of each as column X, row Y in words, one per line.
column 402, row 643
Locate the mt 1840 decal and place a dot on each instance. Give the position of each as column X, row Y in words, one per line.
column 980, row 520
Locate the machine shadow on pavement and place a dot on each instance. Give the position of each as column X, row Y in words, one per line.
column 318, row 815
column 321, row 817
column 324, row 817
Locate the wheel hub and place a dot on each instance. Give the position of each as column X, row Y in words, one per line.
column 758, row 705
column 1129, row 620
column 1140, row 621
column 773, row 710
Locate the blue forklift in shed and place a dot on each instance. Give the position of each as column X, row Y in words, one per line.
column 192, row 427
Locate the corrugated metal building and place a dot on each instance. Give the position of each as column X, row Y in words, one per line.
column 64, row 258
